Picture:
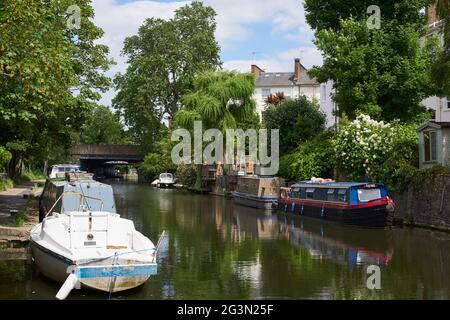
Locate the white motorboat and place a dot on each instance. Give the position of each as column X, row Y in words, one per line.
column 166, row 180
column 92, row 249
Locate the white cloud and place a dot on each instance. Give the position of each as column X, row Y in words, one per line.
column 234, row 26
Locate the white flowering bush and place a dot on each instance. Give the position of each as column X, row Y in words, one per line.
column 362, row 146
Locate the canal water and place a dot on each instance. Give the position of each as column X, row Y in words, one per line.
column 217, row 250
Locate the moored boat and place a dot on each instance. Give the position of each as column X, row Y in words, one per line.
column 165, row 180
column 93, row 249
column 256, row 192
column 355, row 203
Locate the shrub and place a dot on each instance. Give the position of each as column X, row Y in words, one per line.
column 314, row 158
column 298, row 121
column 5, row 157
column 186, row 174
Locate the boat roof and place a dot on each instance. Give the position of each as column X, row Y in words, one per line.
column 331, row 184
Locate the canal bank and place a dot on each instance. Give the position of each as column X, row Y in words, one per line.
column 215, row 249
column 19, row 211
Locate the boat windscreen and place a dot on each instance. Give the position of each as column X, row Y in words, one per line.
column 365, row 195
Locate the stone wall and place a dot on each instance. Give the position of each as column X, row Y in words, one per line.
column 427, row 205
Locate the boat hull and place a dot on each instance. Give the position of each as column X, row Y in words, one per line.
column 166, row 185
column 57, row 268
column 374, row 216
column 247, row 200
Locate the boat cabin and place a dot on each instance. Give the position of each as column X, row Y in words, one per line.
column 341, row 192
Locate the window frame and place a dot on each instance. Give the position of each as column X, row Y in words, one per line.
column 309, row 191
column 265, row 89
column 430, row 148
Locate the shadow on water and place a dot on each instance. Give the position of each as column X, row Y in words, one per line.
column 217, row 250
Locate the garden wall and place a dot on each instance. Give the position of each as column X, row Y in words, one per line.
column 427, row 205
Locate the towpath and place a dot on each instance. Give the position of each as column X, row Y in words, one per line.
column 19, row 199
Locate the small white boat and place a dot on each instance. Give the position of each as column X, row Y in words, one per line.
column 166, row 180
column 92, row 249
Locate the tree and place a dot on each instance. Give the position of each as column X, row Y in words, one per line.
column 327, row 14
column 49, row 76
column 298, row 120
column 164, row 57
column 102, row 127
column 383, row 73
column 441, row 67
column 221, row 100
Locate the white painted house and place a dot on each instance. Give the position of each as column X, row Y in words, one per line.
column 292, row 84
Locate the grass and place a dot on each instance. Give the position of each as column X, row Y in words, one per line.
column 5, row 184
column 28, row 176
column 20, row 218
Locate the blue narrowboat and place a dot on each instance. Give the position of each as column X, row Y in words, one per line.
column 355, row 203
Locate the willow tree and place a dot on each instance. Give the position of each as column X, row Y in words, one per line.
column 220, row 100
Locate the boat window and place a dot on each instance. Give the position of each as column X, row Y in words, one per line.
column 342, row 195
column 331, row 196
column 365, row 195
column 310, row 193
column 295, row 193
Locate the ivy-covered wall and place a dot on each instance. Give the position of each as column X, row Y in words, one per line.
column 426, row 205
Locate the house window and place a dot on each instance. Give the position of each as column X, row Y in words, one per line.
column 430, row 145
column 265, row 92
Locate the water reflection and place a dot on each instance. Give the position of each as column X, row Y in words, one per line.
column 217, row 250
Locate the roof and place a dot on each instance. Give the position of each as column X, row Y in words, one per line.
column 433, row 124
column 279, row 79
column 331, row 184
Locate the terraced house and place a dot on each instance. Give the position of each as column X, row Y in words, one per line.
column 292, row 85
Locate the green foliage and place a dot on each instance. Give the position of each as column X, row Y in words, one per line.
column 186, row 174
column 327, row 14
column 102, row 127
column 298, row 120
column 379, row 150
column 220, row 100
column 164, row 57
column 383, row 73
column 158, row 161
column 49, row 76
column 5, row 157
column 20, row 218
column 441, row 66
column 5, row 184
column 313, row 158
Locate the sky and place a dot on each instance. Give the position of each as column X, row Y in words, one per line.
column 268, row 33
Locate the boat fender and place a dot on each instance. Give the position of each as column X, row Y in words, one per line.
column 67, row 287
